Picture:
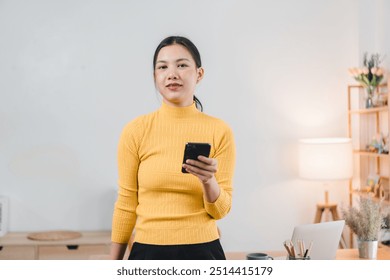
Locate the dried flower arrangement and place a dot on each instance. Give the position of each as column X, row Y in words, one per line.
column 367, row 221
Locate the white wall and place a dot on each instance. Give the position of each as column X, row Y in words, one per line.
column 72, row 73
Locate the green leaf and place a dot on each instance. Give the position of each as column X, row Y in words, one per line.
column 373, row 81
column 365, row 80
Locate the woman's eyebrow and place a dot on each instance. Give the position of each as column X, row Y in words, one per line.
column 177, row 60
column 182, row 59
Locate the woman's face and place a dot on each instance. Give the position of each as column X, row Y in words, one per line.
column 176, row 75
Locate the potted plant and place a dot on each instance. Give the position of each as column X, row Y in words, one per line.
column 366, row 222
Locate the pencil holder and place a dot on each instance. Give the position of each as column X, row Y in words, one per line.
column 298, row 258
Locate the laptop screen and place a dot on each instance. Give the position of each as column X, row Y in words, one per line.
column 324, row 236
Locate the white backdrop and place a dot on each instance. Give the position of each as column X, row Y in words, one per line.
column 73, row 73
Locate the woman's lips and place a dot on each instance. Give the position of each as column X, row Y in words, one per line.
column 173, row 86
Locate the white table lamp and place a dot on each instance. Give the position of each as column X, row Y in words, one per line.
column 325, row 159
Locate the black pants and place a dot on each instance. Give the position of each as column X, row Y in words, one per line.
column 202, row 251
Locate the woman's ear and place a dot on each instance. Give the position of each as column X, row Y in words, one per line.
column 200, row 74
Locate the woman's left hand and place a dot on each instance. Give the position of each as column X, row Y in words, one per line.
column 204, row 168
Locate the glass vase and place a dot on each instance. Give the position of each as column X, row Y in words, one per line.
column 370, row 98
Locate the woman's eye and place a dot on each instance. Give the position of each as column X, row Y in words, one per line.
column 182, row 65
column 162, row 67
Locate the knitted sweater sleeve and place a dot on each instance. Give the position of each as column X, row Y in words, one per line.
column 225, row 153
column 124, row 216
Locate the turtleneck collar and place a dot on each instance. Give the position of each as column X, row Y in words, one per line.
column 178, row 112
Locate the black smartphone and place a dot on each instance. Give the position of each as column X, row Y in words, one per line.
column 193, row 150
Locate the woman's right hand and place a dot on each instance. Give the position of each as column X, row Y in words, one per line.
column 117, row 251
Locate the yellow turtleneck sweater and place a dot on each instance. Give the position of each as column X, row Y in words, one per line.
column 166, row 206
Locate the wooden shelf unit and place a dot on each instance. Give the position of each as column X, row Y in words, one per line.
column 368, row 194
column 363, row 125
column 376, row 121
column 371, row 154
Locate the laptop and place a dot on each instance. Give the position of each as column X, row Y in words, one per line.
column 325, row 237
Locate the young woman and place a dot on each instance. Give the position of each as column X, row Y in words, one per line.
column 173, row 213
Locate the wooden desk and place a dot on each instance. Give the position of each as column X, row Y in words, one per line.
column 342, row 254
column 16, row 245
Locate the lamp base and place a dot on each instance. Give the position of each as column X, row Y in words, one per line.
column 322, row 207
column 332, row 208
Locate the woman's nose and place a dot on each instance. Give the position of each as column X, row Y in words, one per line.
column 172, row 75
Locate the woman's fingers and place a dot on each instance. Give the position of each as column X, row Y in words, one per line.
column 204, row 168
column 202, row 174
column 204, row 163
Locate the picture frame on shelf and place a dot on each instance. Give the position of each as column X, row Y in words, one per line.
column 373, row 180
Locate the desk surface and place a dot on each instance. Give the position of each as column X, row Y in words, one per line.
column 342, row 254
column 87, row 238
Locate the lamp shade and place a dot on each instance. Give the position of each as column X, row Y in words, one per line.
column 325, row 158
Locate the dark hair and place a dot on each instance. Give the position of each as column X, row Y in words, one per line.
column 172, row 40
